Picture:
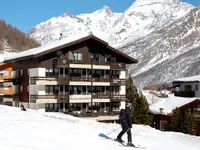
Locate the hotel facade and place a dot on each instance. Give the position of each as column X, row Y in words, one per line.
column 83, row 75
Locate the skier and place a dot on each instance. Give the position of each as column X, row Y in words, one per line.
column 22, row 108
column 126, row 123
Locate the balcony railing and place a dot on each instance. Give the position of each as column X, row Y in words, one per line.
column 43, row 96
column 101, row 96
column 117, row 97
column 63, row 80
column 196, row 115
column 63, row 97
column 33, row 80
column 116, row 81
column 184, row 93
column 120, row 66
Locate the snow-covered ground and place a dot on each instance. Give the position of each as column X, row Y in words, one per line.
column 36, row 130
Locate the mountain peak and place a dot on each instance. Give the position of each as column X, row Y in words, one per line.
column 147, row 1
column 67, row 14
column 107, row 10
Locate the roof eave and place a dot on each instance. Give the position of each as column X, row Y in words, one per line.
column 131, row 60
column 18, row 59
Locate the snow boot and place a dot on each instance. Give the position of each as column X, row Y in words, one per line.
column 119, row 140
column 130, row 144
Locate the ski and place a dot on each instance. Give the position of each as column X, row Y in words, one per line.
column 122, row 143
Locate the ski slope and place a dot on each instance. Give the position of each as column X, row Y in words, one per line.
column 36, row 130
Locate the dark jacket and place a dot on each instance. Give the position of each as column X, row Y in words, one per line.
column 22, row 108
column 126, row 118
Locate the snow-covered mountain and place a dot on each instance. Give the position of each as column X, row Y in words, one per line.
column 152, row 31
column 141, row 18
column 36, row 130
column 169, row 53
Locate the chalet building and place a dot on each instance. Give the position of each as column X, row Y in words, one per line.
column 188, row 86
column 80, row 75
column 6, row 89
column 187, row 96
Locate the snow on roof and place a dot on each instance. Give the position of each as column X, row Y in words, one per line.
column 5, row 55
column 45, row 47
column 189, row 79
column 169, row 104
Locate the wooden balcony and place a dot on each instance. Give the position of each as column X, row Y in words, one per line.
column 118, row 82
column 43, row 96
column 101, row 96
column 63, row 80
column 196, row 115
column 117, row 97
column 184, row 93
column 63, row 97
column 33, row 80
column 62, row 63
column 118, row 66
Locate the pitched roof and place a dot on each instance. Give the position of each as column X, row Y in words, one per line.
column 188, row 79
column 47, row 48
column 170, row 103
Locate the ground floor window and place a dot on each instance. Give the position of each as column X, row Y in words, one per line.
column 51, row 107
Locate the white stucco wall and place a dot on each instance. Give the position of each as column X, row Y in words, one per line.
column 122, row 90
column 37, row 72
column 122, row 105
column 122, row 75
column 37, row 89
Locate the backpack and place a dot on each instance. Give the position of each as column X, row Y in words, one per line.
column 122, row 114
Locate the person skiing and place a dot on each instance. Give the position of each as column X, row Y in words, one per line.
column 22, row 108
column 126, row 124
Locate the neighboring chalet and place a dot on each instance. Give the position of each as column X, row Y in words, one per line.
column 6, row 89
column 187, row 96
column 78, row 75
column 188, row 86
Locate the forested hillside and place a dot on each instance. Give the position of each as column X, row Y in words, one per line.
column 13, row 40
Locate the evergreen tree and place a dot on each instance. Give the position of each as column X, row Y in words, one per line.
column 141, row 112
column 140, row 106
column 176, row 122
column 183, row 122
column 189, row 124
column 131, row 91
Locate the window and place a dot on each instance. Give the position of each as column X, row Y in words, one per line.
column 52, row 72
column 107, row 57
column 95, row 57
column 196, row 87
column 49, row 72
column 116, row 90
column 188, row 88
column 77, row 56
column 115, row 73
column 4, row 73
column 113, row 59
column 51, row 89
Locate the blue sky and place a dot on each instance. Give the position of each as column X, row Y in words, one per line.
column 25, row 14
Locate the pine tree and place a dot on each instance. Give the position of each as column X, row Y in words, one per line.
column 189, row 124
column 140, row 107
column 176, row 122
column 141, row 112
column 183, row 122
column 131, row 91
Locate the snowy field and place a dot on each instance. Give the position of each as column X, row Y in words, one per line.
column 36, row 130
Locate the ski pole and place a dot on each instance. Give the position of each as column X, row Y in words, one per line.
column 128, row 129
column 113, row 130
